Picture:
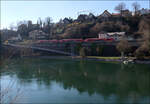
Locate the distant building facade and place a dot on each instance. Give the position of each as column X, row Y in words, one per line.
column 83, row 17
column 144, row 11
column 126, row 13
column 38, row 35
column 15, row 39
column 114, row 35
column 105, row 14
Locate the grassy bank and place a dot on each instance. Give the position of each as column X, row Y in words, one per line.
column 98, row 57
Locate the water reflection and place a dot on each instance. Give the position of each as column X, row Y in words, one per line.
column 106, row 79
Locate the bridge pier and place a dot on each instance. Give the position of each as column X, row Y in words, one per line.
column 73, row 49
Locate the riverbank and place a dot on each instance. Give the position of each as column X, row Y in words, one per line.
column 95, row 58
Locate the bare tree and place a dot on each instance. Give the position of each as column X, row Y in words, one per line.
column 120, row 7
column 47, row 26
column 40, row 23
column 29, row 25
column 23, row 30
column 136, row 7
column 123, row 46
column 11, row 26
column 48, row 21
column 144, row 30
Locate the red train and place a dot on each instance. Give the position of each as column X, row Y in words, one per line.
column 76, row 40
column 97, row 39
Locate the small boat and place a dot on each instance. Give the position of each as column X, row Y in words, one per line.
column 125, row 62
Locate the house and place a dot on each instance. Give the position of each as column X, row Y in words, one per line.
column 143, row 11
column 115, row 14
column 91, row 17
column 67, row 20
column 126, row 13
column 38, row 35
column 103, row 35
column 105, row 14
column 114, row 35
column 82, row 18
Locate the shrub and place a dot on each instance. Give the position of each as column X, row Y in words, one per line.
column 123, row 46
column 99, row 50
column 82, row 52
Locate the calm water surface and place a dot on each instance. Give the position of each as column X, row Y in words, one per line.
column 67, row 81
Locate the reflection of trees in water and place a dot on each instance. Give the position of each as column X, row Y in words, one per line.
column 7, row 94
column 91, row 77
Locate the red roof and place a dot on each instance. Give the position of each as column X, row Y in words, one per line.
column 115, row 14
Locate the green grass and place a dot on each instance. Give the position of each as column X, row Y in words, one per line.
column 98, row 57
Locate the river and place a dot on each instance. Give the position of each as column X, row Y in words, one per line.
column 37, row 80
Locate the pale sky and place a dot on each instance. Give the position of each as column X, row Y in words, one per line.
column 15, row 11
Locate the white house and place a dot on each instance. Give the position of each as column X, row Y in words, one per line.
column 103, row 35
column 114, row 35
column 38, row 35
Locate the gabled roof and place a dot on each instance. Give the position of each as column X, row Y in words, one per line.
column 105, row 14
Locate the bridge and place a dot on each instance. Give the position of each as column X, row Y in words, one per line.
column 59, row 47
column 113, row 43
column 39, row 48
